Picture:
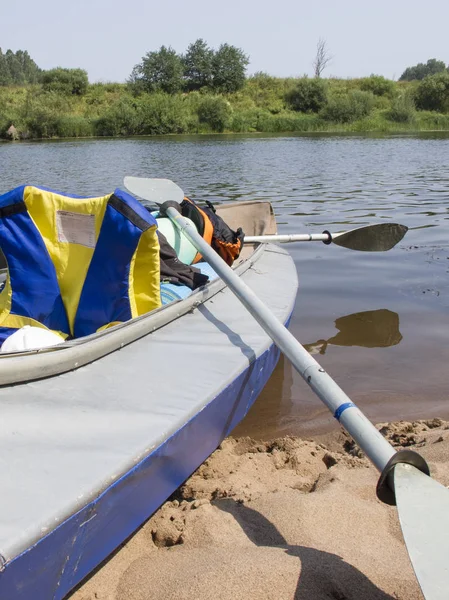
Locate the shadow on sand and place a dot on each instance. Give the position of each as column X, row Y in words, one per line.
column 323, row 575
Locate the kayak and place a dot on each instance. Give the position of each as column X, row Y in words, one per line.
column 97, row 432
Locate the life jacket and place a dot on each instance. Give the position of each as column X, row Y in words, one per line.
column 226, row 242
column 76, row 265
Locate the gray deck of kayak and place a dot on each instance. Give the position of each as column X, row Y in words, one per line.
column 65, row 439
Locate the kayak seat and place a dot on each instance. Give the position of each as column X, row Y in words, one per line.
column 76, row 265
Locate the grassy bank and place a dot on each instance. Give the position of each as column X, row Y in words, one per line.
column 265, row 104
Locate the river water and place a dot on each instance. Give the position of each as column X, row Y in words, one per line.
column 377, row 322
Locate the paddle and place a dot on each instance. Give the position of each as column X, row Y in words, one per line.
column 424, row 522
column 369, row 238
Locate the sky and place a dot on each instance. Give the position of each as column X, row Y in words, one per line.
column 108, row 37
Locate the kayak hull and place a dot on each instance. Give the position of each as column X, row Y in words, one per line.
column 88, row 453
column 60, row 560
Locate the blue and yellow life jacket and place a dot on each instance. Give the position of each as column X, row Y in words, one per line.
column 76, row 265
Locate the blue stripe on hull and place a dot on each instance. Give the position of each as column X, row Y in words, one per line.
column 58, row 562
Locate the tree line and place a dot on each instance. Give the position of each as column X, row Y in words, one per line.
column 201, row 67
column 204, row 90
column 18, row 68
column 163, row 70
column 422, row 70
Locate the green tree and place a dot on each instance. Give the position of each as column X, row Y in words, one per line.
column 421, row 70
column 5, row 75
column 198, row 65
column 433, row 93
column 65, row 81
column 309, row 95
column 15, row 68
column 30, row 70
column 228, row 68
column 161, row 70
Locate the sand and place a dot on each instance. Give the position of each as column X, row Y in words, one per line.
column 286, row 519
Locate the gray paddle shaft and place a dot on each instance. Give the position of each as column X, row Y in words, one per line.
column 287, row 238
column 375, row 446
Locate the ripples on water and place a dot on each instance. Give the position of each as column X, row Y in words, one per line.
column 314, row 183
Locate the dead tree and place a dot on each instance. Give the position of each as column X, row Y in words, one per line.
column 322, row 57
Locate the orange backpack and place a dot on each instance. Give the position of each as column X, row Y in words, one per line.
column 226, row 242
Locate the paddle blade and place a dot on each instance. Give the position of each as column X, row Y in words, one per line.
column 423, row 508
column 154, row 190
column 371, row 238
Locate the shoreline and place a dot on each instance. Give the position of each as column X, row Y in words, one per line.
column 289, row 518
column 261, row 103
column 288, row 133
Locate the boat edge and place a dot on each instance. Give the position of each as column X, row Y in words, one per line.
column 96, row 530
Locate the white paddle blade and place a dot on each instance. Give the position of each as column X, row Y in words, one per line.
column 154, row 190
column 371, row 238
column 423, row 509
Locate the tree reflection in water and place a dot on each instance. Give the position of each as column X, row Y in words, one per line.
column 370, row 329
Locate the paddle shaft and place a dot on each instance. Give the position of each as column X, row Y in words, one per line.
column 375, row 446
column 285, row 239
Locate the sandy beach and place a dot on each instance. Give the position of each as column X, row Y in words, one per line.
column 285, row 519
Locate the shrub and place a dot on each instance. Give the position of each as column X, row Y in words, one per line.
column 73, row 126
column 433, row 93
column 378, row 85
column 41, row 111
column 403, row 109
column 39, row 101
column 120, row 119
column 239, row 124
column 267, row 92
column 161, row 114
column 288, row 121
column 95, row 96
column 309, row 95
column 351, row 107
column 65, row 81
column 43, row 124
column 216, row 112
column 247, row 120
column 432, row 120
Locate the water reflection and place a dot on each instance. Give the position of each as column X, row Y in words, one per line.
column 286, row 405
column 370, row 329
